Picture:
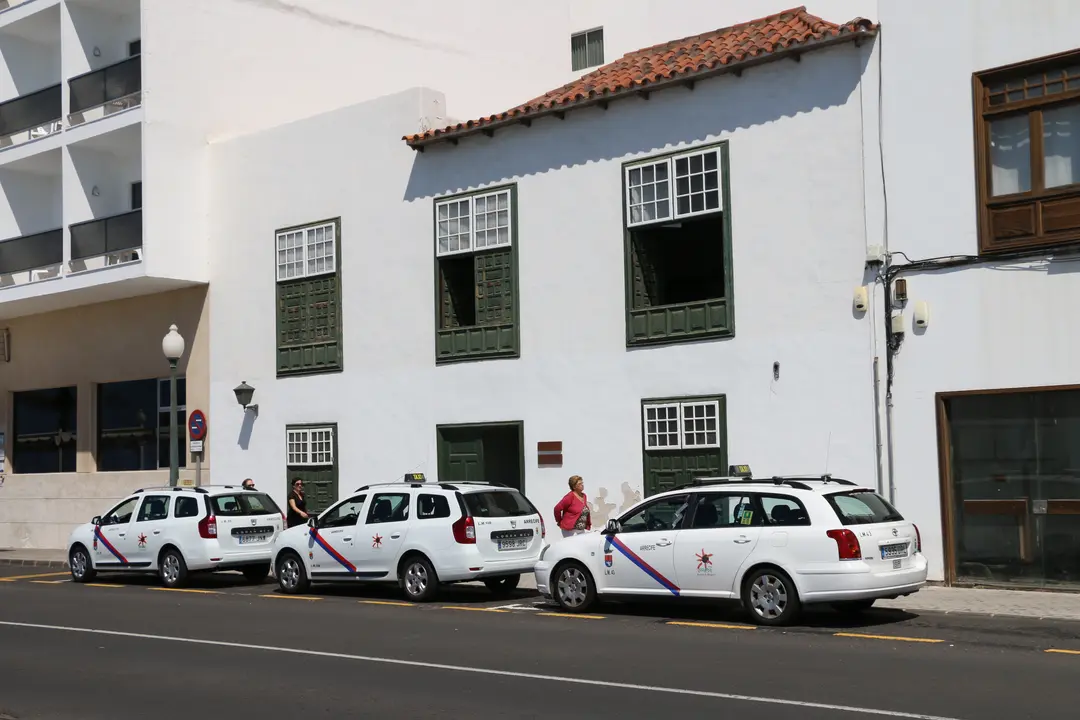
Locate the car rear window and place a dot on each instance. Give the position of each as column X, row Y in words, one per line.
column 498, row 504
column 862, row 507
column 248, row 503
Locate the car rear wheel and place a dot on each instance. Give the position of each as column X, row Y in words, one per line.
column 573, row 588
column 503, row 585
column 172, row 569
column 853, row 607
column 82, row 569
column 291, row 574
column 418, row 579
column 770, row 597
column 256, row 573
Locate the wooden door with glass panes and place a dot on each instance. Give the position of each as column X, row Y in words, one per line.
column 683, row 439
column 312, row 457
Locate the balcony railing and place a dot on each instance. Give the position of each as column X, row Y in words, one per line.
column 32, row 252
column 29, row 112
column 119, row 84
column 107, row 235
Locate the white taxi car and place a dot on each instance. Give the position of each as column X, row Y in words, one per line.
column 775, row 544
column 417, row 534
column 174, row 531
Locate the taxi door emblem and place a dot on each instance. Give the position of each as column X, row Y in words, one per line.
column 253, row 521
column 513, row 523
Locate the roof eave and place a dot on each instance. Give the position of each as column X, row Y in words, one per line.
column 489, row 128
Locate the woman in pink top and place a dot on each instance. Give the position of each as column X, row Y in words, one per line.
column 572, row 512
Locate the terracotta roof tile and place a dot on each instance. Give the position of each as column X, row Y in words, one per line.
column 678, row 61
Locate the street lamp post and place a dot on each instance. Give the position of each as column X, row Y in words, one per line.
column 172, row 345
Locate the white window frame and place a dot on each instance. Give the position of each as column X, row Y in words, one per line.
column 309, row 242
column 673, row 209
column 301, row 446
column 586, row 35
column 472, row 233
column 681, row 418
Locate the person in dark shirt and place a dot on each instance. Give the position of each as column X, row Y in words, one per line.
column 297, row 505
column 248, row 484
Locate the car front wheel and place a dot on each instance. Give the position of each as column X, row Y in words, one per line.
column 291, row 574
column 82, row 569
column 770, row 597
column 573, row 588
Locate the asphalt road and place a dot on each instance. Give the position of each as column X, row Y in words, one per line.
column 123, row 649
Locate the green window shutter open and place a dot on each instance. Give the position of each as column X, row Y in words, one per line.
column 494, row 288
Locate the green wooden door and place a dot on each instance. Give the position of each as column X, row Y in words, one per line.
column 320, row 485
column 668, row 470
column 461, row 454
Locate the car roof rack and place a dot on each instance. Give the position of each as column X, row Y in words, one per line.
column 777, row 481
column 178, row 488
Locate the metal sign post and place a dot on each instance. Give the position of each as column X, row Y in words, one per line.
column 197, row 432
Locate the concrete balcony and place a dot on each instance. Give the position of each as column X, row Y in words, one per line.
column 31, row 258
column 30, row 117
column 106, row 91
column 106, row 242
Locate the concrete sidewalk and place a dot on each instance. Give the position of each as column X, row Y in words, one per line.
column 977, row 601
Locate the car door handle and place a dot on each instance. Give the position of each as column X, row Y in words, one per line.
column 348, row 539
column 395, row 536
column 742, row 541
column 122, row 534
column 663, row 543
column 157, row 532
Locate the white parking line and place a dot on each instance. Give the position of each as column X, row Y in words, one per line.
column 488, row 671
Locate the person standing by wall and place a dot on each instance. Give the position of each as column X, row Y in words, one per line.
column 572, row 512
column 297, row 504
column 248, row 484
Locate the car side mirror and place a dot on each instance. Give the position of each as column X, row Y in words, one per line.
column 96, row 520
column 313, row 522
column 612, row 528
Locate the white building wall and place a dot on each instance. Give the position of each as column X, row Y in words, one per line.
column 997, row 325
column 799, row 244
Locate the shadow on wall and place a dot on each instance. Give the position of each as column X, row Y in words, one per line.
column 716, row 107
column 601, row 508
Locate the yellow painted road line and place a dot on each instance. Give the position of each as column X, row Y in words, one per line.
column 292, row 597
column 888, row 637
column 472, row 609
column 108, row 585
column 717, row 626
column 35, row 575
column 1063, row 652
column 387, row 602
column 185, row 590
column 572, row 615
column 49, row 582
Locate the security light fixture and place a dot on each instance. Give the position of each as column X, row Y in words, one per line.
column 244, row 393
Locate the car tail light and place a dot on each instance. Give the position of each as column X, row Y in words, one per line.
column 543, row 528
column 465, row 531
column 283, row 520
column 847, row 544
column 918, row 538
column 208, row 527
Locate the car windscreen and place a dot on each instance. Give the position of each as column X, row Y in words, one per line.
column 862, row 507
column 498, row 504
column 247, row 503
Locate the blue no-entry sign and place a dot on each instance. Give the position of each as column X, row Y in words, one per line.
column 197, row 425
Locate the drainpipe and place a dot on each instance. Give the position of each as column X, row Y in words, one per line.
column 877, row 426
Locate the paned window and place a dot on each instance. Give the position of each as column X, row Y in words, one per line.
column 587, row 49
column 679, row 425
column 309, row 325
column 310, row 446
column 304, row 252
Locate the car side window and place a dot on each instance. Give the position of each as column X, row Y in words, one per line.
column 345, row 514
column 388, row 508
column 154, row 507
column 186, row 507
column 664, row 514
column 716, row 510
column 430, row 507
column 121, row 514
column 784, row 510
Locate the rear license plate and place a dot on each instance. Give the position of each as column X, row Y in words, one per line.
column 896, row 550
column 513, row 544
column 250, row 539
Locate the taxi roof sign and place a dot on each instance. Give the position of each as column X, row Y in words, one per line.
column 739, row 471
column 415, row 477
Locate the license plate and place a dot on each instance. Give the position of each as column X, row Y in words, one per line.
column 250, row 539
column 888, row 552
column 513, row 544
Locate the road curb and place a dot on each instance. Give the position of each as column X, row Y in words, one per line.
column 17, row 562
column 975, row 614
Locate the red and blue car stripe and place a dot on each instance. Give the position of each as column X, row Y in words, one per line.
column 108, row 545
column 321, row 541
column 645, row 567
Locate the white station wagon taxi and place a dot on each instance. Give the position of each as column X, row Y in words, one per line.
column 417, row 534
column 775, row 544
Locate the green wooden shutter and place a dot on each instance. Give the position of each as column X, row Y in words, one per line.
column 309, row 325
column 494, row 288
column 644, row 275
